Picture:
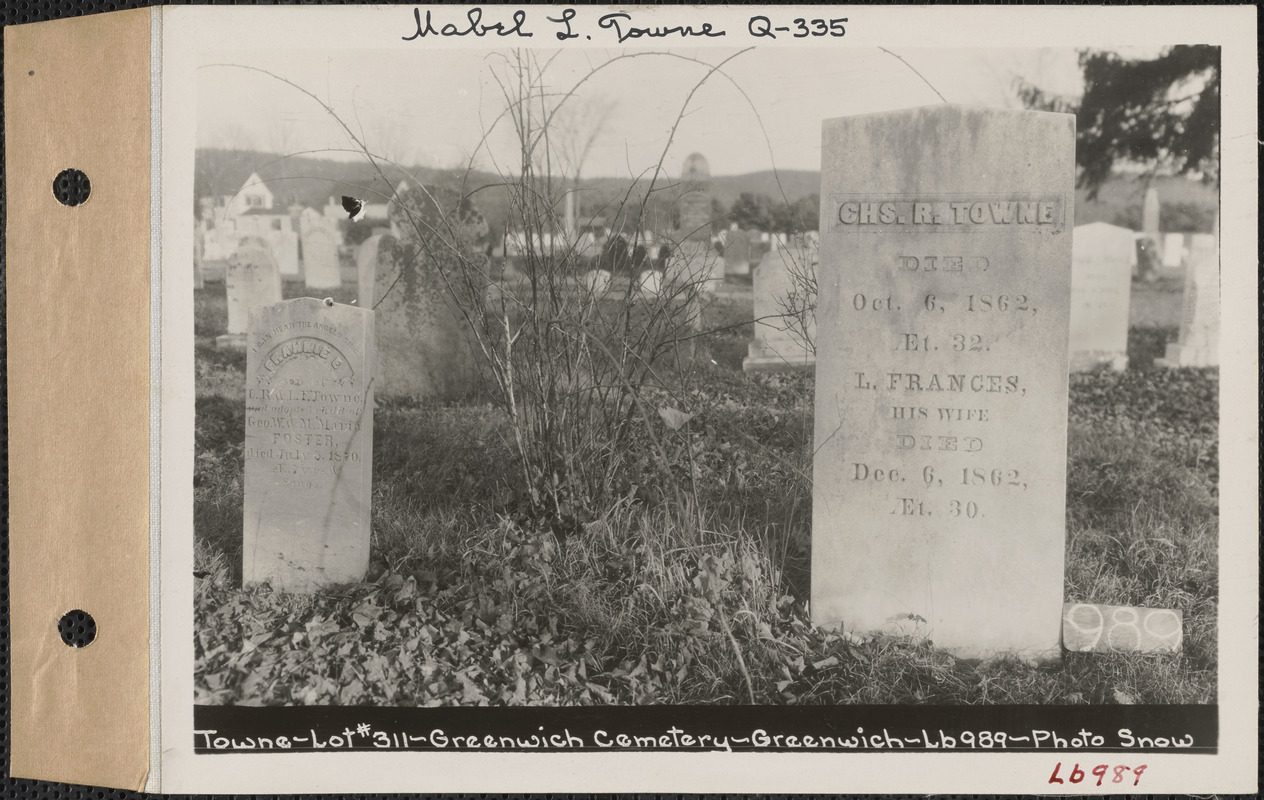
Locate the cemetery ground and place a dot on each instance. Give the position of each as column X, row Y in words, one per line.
column 467, row 603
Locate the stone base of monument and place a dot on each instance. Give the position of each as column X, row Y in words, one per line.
column 762, row 359
column 230, row 341
column 1088, row 361
column 1182, row 355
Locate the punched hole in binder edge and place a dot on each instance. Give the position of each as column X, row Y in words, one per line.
column 77, row 628
column 71, row 187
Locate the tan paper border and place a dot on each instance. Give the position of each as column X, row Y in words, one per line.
column 77, row 95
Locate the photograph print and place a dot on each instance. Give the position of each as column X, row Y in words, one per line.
column 706, row 377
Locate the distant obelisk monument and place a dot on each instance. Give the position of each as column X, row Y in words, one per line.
column 694, row 262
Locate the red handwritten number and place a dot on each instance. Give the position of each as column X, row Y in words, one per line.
column 1119, row 774
column 1077, row 774
column 1054, row 777
column 1138, row 772
column 1100, row 772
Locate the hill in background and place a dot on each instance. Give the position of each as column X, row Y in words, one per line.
column 1188, row 206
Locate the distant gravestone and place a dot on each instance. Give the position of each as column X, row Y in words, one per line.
column 1199, row 339
column 285, row 251
column 199, row 248
column 1173, row 250
column 1150, row 214
column 1101, row 286
column 939, row 482
column 597, row 281
column 366, row 269
column 650, row 282
column 784, row 324
column 251, row 279
column 694, row 264
column 320, row 258
column 737, row 253
column 309, row 445
column 424, row 347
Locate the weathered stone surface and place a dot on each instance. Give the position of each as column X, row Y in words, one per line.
column 309, row 445
column 693, row 265
column 650, row 282
column 1173, row 250
column 1150, row 214
column 1093, row 628
column 737, row 253
column 597, row 281
column 1101, row 288
column 939, row 485
column 784, row 324
column 1199, row 341
column 251, row 279
column 320, row 258
column 424, row 344
column 695, row 202
column 285, row 251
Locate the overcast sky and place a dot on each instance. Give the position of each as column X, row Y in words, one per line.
column 433, row 108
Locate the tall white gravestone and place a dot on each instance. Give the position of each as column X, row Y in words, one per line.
column 1101, row 289
column 939, row 498
column 320, row 258
column 309, row 445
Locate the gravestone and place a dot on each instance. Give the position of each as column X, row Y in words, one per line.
column 285, row 251
column 939, row 481
column 320, row 258
column 782, row 317
column 737, row 253
column 1150, row 214
column 199, row 247
column 1199, row 339
column 597, row 281
column 309, row 445
column 1101, row 286
column 1173, row 250
column 251, row 279
column 424, row 347
column 366, row 269
column 650, row 282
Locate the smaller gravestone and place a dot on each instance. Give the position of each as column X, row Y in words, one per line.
column 1101, row 285
column 251, row 279
column 1199, row 340
column 366, row 269
column 309, row 445
column 737, row 253
column 320, row 258
column 597, row 281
